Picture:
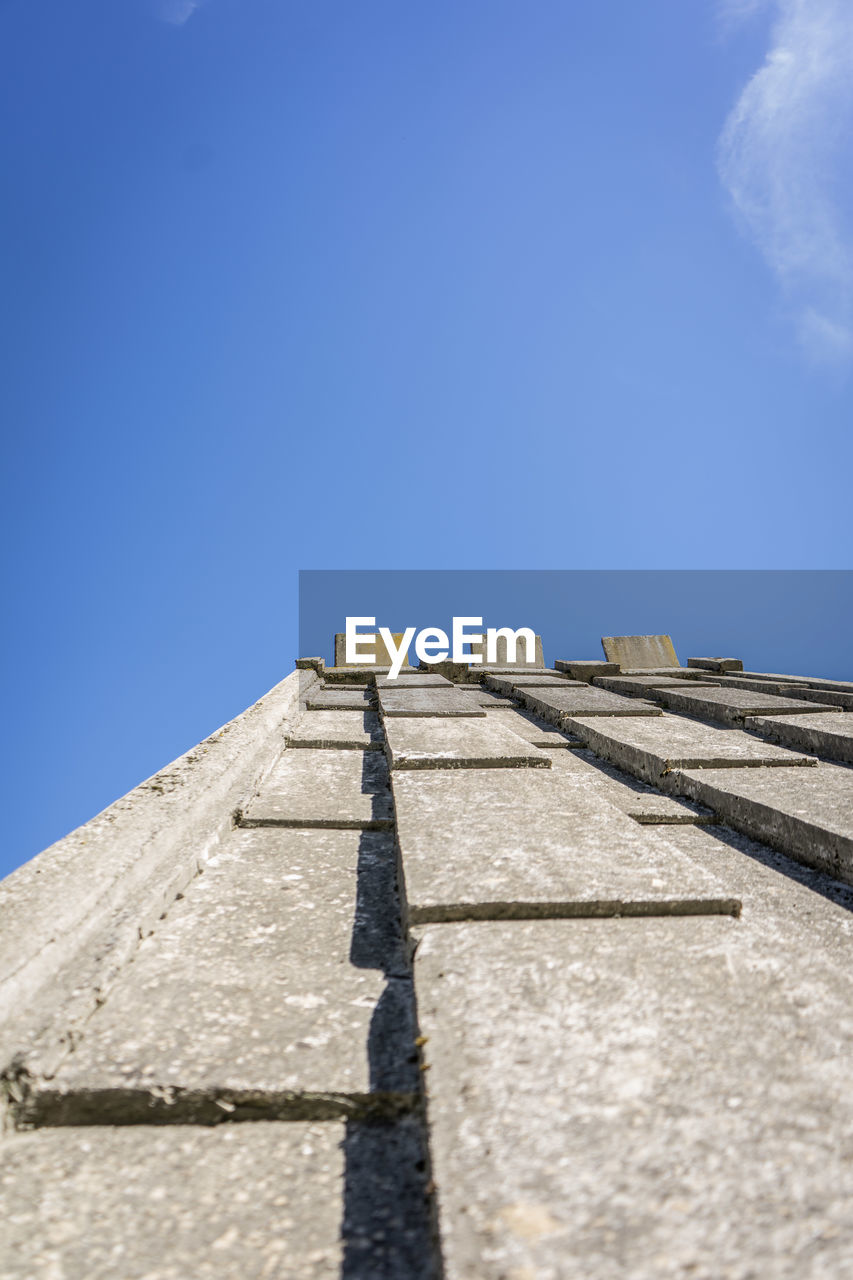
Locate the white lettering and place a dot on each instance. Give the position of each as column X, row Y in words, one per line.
column 353, row 639
column 429, row 640
column 396, row 654
column 511, row 638
column 461, row 637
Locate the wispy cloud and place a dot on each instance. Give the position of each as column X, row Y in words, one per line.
column 177, row 12
column 785, row 159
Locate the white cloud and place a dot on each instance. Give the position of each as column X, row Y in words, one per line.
column 784, row 157
column 179, row 11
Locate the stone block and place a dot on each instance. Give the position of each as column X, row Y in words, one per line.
column 637, row 799
column 806, row 813
column 502, row 659
column 555, row 705
column 457, row 743
column 651, row 749
column 341, row 729
column 261, row 994
column 484, row 697
column 310, row 788
column 731, row 706
column 531, row 728
column 249, row 1200
column 586, row 671
column 639, row 651
column 510, row 684
column 555, row 847
column 414, row 680
column 818, row 734
column 716, row 664
column 340, row 700
column 811, row 682
column 370, row 644
column 644, row 1098
column 426, row 702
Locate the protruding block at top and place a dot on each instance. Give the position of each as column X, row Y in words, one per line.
column 372, row 645
column 640, row 652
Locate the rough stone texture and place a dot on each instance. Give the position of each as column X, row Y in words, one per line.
column 586, row 671
column 266, row 980
column 502, row 659
column 639, row 651
column 458, row 743
column 641, row 802
column 427, row 702
column 555, row 705
column 716, row 664
column 645, row 686
column 635, row 1098
column 829, row 697
column 323, row 789
column 342, row 729
column 414, row 680
column 807, row 813
column 70, row 917
column 819, row 734
column 508, row 684
column 381, row 658
column 250, row 1200
column 532, row 728
column 362, row 676
column 731, row 706
column 651, row 749
column 484, row 697
column 555, row 847
column 340, row 700
column 811, row 682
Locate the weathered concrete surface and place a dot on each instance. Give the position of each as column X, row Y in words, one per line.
column 826, row 696
column 555, row 705
column 70, row 917
column 811, row 682
column 820, row 735
column 641, row 802
column 457, row 743
column 554, row 846
column 342, row 729
column 427, row 702
column 372, row 645
column 508, row 684
column 323, row 789
column 531, row 727
column 414, row 680
column 502, row 658
column 643, row 1098
column 266, row 980
column 716, row 664
column 807, row 813
column 340, row 700
column 364, row 676
column 639, row 651
column 586, row 671
column 731, row 706
column 651, row 749
column 250, row 1200
column 484, row 697
column 645, row 686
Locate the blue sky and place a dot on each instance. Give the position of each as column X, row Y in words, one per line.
column 479, row 285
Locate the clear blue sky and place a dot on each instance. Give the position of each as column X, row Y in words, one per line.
column 480, row 284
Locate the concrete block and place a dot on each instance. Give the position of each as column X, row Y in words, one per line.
column 806, row 813
column 555, row 846
column 811, row 682
column 341, row 729
column 531, row 728
column 373, row 645
column 249, row 1200
column 644, row 1098
column 457, row 743
column 716, row 664
column 502, row 658
column 646, row 686
column 510, row 684
column 348, row 676
column 637, row 799
column 639, row 651
column 262, row 993
column 484, row 697
column 651, row 749
column 586, row 671
column 555, row 705
column 731, row 706
column 323, row 789
column 820, row 734
column 414, row 680
column 426, row 702
column 340, row 700
column 311, row 664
